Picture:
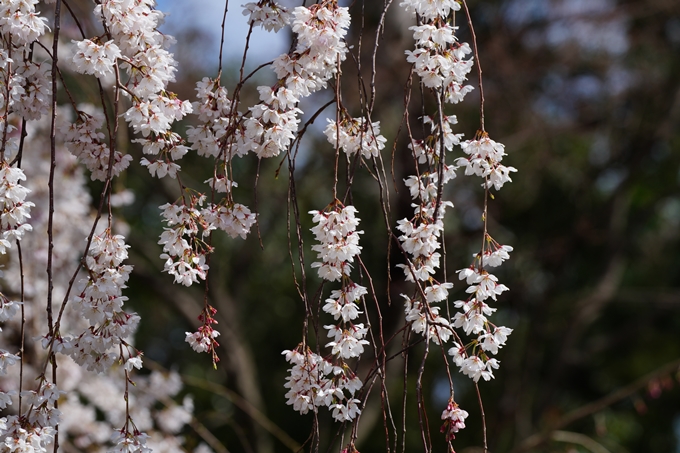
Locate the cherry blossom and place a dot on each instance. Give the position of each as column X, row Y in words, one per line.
column 267, row 14
column 356, row 136
column 93, row 58
column 454, row 420
column 314, row 382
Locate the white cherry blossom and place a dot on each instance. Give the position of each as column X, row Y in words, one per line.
column 97, row 59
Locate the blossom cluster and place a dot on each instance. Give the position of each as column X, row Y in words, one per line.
column 484, row 160
column 429, row 149
column 319, row 31
column 141, row 50
column 442, row 64
column 314, row 382
column 184, row 249
column 356, row 135
column 439, row 59
column 421, row 235
column 267, row 14
column 204, row 339
column 185, row 245
column 21, row 21
column 454, row 420
column 15, row 209
column 167, row 148
column 98, row 299
column 29, row 89
column 25, row 89
column 338, row 246
column 33, row 430
column 96, row 59
column 130, row 441
column 336, row 232
column 218, row 135
column 473, row 359
column 21, row 440
column 85, row 141
column 7, row 359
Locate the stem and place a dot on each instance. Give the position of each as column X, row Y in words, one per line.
column 50, row 220
column 479, row 65
column 442, row 158
column 23, row 324
column 481, row 408
column 224, row 20
column 422, row 416
column 337, row 130
column 5, row 117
